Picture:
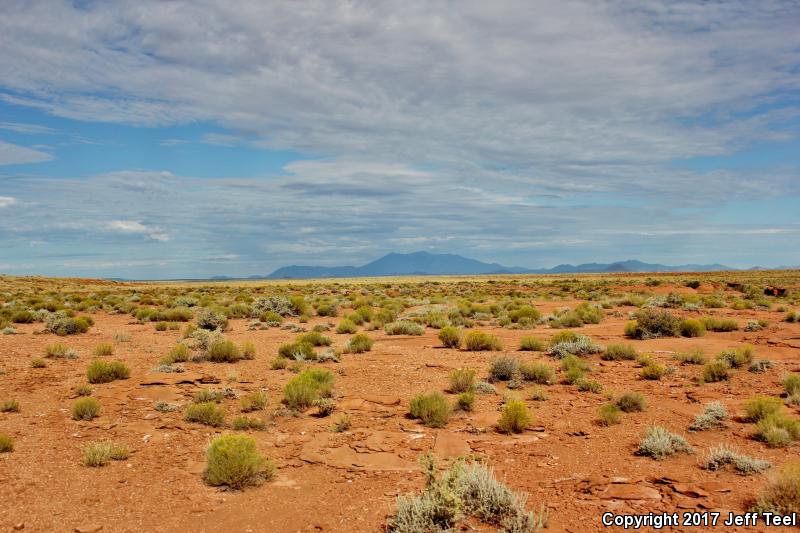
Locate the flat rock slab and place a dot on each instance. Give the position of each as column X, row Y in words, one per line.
column 450, row 444
column 319, row 451
column 621, row 491
column 171, row 378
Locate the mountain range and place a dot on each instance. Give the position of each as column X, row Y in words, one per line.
column 425, row 263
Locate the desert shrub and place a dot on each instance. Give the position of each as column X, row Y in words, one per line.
column 161, row 326
column 299, row 351
column 466, row 401
column 484, row 387
column 694, row 357
column 760, row 366
column 177, row 354
column 348, row 326
column 777, row 429
column 23, row 316
column 359, row 343
column 514, row 417
column 304, row 389
column 165, row 407
column 526, row 313
column 63, row 325
column 6, row 444
column 9, row 406
column 233, row 460
column 246, row 423
column 85, row 409
column 609, row 414
column 315, row 338
column 343, row 424
column 737, row 357
column 255, row 401
column 653, row 371
column 713, row 417
column 791, row 384
column 659, row 443
column 589, row 385
column 100, row 453
column 503, row 368
column 463, row 490
column 248, row 350
column 60, row 351
column 431, row 409
column 223, row 351
column 652, row 323
column 632, row 402
column 716, row 324
column 540, row 373
column 478, row 341
column 450, row 337
column 715, row 371
column 211, row 395
column 462, row 380
column 100, row 371
column 781, row 495
column 325, row 406
column 574, row 368
column 279, row 363
column 207, row 413
column 563, row 336
column 721, row 456
column 83, row 390
column 38, row 362
column 532, row 344
column 581, row 345
column 761, row 406
column 326, row 308
column 209, row 319
column 403, row 327
column 792, row 317
column 691, row 327
column 619, row 352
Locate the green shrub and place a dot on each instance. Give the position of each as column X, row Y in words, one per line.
column 462, row 380
column 781, row 495
column 713, row 417
column 431, row 409
column 83, row 390
column 653, row 371
column 346, row 326
column 246, row 423
column 718, row 458
column 100, row 371
column 715, row 371
column 762, row 406
column 85, row 409
column 619, row 352
column 208, row 413
column 514, row 418
column 279, row 363
column 653, row 323
column 659, row 443
column 211, row 320
column 450, row 337
column 563, row 336
column 478, row 341
column 540, row 373
column 466, row 401
column 694, row 357
column 525, row 313
column 38, row 363
column 581, row 345
column 178, row 354
column 248, row 350
column 6, row 444
column 359, row 343
column 791, row 384
column 100, row 453
column 503, row 368
column 233, row 460
column 609, row 415
column 299, row 351
column 589, row 385
column 716, row 324
column 255, row 401
column 304, row 389
column 343, row 424
column 532, row 344
column 777, row 429
column 691, row 327
column 632, row 402
column 792, row 317
column 60, row 351
column 64, row 325
column 23, row 316
column 223, row 351
column 9, row 406
column 315, row 338
column 738, row 357
column 403, row 327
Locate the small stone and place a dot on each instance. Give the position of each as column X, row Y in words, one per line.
column 19, row 526
column 91, row 528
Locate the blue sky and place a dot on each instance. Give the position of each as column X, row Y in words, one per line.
column 133, row 144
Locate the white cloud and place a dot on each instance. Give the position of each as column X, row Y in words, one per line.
column 13, row 154
column 6, row 201
column 29, row 129
column 132, row 226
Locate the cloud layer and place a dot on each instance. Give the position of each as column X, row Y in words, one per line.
column 527, row 132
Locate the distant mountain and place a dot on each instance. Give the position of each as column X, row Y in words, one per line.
column 425, row 263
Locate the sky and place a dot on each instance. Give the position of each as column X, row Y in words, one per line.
column 177, row 139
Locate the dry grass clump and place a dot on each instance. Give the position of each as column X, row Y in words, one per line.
column 532, row 344
column 304, row 389
column 480, row 341
column 85, row 409
column 178, row 354
column 106, row 371
column 762, row 406
column 255, row 401
column 778, row 429
column 653, row 323
column 782, row 494
column 359, row 343
column 619, row 352
column 9, row 406
column 343, row 424
column 38, row 363
column 246, row 423
column 223, row 351
column 103, row 349
column 691, row 327
column 715, row 371
column 431, row 409
column 466, row 401
column 713, row 417
column 721, row 456
column 503, row 368
column 403, row 327
column 540, row 373
column 462, row 380
column 6, row 444
column 100, row 453
column 234, row 461
column 63, row 325
column 659, row 443
column 347, row 326
column 720, row 325
column 609, row 414
column 791, row 384
column 693, row 357
column 298, row 351
column 632, row 402
column 60, row 351
column 581, row 345
column 462, row 492
column 653, row 371
column 737, row 357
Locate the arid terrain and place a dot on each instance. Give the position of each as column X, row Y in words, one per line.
column 327, row 478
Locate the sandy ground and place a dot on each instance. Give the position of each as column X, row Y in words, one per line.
column 349, row 481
